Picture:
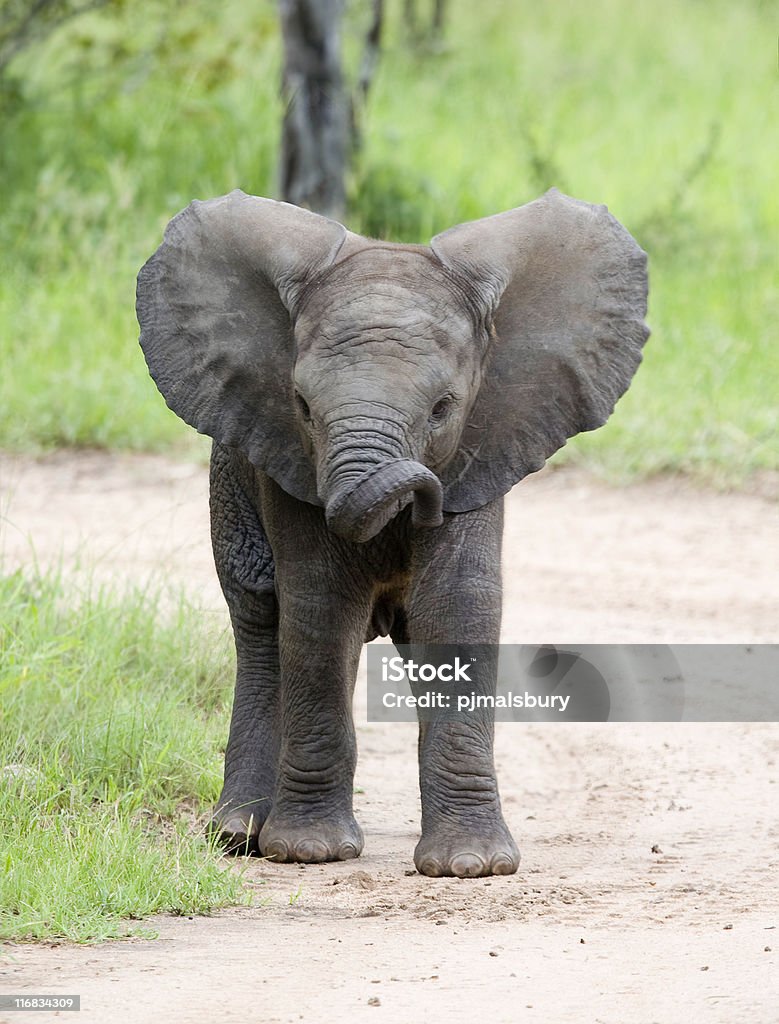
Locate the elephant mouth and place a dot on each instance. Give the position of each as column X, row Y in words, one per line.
column 363, row 507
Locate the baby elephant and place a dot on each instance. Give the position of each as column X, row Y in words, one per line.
column 370, row 404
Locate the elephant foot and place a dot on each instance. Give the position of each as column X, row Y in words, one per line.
column 311, row 842
column 237, row 822
column 236, row 833
column 467, row 853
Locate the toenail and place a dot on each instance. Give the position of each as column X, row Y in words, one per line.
column 502, row 864
column 431, row 867
column 311, row 851
column 468, row 865
column 348, row 851
column 276, row 848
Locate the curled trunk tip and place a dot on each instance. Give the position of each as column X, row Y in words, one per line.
column 360, row 509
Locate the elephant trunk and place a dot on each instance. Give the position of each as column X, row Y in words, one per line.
column 358, row 509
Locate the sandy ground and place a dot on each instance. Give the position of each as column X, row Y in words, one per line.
column 648, row 886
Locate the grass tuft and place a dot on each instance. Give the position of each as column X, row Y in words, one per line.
column 113, row 718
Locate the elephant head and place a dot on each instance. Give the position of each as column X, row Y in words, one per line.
column 365, row 376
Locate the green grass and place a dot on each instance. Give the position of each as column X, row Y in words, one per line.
column 113, row 716
column 665, row 111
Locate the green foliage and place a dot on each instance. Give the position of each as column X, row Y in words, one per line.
column 661, row 110
column 113, row 716
column 23, row 23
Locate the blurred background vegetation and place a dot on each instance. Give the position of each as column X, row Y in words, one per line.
column 666, row 111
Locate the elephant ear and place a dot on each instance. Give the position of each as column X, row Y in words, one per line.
column 214, row 304
column 565, row 286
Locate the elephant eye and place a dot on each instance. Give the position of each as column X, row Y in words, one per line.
column 441, row 408
column 302, row 405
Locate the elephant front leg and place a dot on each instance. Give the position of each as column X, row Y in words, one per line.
column 463, row 831
column 312, row 820
column 456, row 600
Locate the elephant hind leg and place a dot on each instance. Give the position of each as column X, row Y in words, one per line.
column 244, row 563
column 251, row 757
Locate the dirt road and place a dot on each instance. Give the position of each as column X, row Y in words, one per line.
column 648, row 887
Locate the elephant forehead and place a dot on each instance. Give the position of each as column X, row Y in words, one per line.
column 382, row 290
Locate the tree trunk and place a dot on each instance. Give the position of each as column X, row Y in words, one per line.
column 316, row 128
column 439, row 14
column 421, row 30
column 370, row 59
